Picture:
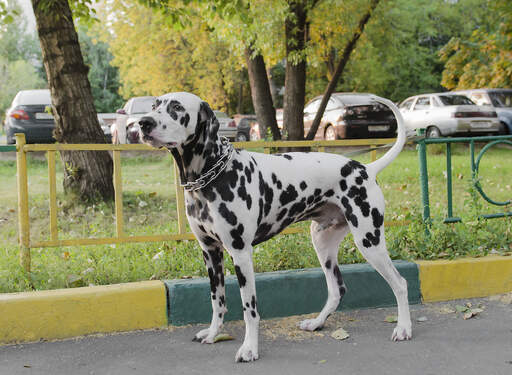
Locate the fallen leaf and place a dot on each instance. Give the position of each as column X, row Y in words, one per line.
column 391, row 319
column 322, row 361
column 12, row 210
column 340, row 334
column 65, row 255
column 152, row 194
column 461, row 308
column 223, row 337
column 468, row 315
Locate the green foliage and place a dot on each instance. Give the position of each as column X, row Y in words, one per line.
column 483, row 56
column 103, row 77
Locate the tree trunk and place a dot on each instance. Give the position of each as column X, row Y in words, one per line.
column 260, row 93
column 295, row 78
column 88, row 174
column 339, row 69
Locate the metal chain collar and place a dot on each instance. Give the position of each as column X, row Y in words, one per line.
column 214, row 171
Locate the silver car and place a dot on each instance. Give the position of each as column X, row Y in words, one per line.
column 126, row 128
column 443, row 114
column 227, row 125
column 499, row 99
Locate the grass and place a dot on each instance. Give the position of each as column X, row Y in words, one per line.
column 149, row 208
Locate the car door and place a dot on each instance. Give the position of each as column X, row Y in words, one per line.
column 419, row 115
column 310, row 113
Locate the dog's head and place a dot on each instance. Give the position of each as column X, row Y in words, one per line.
column 177, row 119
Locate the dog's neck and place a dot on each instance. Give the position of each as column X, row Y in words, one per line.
column 198, row 156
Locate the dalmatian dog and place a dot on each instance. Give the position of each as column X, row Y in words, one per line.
column 236, row 199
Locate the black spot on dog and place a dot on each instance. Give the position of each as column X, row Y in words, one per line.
column 253, row 302
column 237, row 165
column 329, row 193
column 352, row 165
column 343, row 185
column 372, row 238
column 339, row 280
column 297, row 208
column 288, row 157
column 248, row 175
column 236, row 233
column 288, row 195
column 281, row 214
column 349, row 212
column 173, row 115
column 262, row 233
column 303, row 185
column 328, row 264
column 253, row 313
column 222, row 300
column 360, row 196
column 269, row 196
column 208, row 241
column 378, row 219
column 242, row 193
column 228, row 215
column 224, row 187
column 260, row 214
column 209, row 194
column 359, row 180
column 241, row 278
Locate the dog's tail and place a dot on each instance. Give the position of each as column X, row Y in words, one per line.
column 383, row 162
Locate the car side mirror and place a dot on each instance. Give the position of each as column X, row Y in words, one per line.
column 121, row 112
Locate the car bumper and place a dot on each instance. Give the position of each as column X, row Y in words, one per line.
column 478, row 126
column 228, row 133
column 366, row 131
column 33, row 133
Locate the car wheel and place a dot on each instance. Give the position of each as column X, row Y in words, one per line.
column 242, row 137
column 330, row 134
column 433, row 132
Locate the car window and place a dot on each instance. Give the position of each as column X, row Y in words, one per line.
column 455, row 100
column 422, row 103
column 435, row 102
column 312, row 107
column 220, row 114
column 34, row 97
column 479, row 98
column 501, row 98
column 142, row 105
column 407, row 104
column 331, row 104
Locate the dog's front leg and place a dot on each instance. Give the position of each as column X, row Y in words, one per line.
column 245, row 273
column 214, row 260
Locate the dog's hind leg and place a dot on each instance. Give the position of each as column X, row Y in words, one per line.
column 326, row 242
column 372, row 245
column 214, row 260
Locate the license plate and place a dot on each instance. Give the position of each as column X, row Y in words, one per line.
column 44, row 116
column 481, row 124
column 378, row 128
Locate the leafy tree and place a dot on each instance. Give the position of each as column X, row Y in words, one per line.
column 483, row 58
column 88, row 174
column 103, row 77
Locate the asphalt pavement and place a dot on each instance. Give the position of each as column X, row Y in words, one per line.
column 443, row 343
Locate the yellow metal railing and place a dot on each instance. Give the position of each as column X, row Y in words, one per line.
column 23, row 212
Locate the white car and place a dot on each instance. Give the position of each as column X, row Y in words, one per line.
column 227, row 126
column 126, row 128
column 443, row 114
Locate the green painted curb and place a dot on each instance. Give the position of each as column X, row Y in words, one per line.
column 286, row 293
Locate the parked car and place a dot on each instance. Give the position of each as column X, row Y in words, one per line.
column 443, row 114
column 351, row 115
column 30, row 113
column 499, row 99
column 126, row 128
column 247, row 128
column 227, row 125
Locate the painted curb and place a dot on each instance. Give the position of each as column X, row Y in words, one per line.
column 54, row 314
column 286, row 293
column 443, row 280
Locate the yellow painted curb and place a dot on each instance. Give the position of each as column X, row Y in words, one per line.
column 442, row 280
column 53, row 314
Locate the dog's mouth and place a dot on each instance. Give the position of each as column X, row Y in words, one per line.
column 151, row 140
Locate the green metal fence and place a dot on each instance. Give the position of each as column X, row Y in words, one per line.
column 422, row 157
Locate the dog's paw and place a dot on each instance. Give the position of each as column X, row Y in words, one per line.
column 246, row 354
column 401, row 333
column 204, row 336
column 310, row 325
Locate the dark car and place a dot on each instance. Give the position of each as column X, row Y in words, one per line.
column 30, row 114
column 247, row 129
column 351, row 115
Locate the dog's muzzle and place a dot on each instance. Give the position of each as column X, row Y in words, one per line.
column 147, row 124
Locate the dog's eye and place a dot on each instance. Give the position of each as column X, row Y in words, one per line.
column 176, row 106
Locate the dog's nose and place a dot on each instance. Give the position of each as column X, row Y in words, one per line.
column 147, row 124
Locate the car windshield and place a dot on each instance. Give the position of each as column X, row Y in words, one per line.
column 33, row 97
column 455, row 100
column 501, row 98
column 142, row 105
column 220, row 114
column 355, row 99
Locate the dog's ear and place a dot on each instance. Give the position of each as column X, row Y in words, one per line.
column 206, row 120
